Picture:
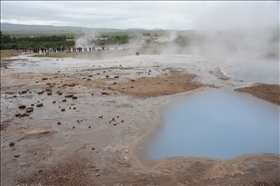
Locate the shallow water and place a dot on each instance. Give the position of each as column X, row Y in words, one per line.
column 260, row 71
column 216, row 124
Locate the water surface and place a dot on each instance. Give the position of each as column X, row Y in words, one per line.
column 216, row 124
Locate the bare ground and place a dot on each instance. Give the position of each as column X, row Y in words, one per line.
column 89, row 142
column 268, row 92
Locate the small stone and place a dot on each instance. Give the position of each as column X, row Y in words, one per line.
column 23, row 92
column 29, row 109
column 74, row 97
column 69, row 95
column 100, row 116
column 11, row 144
column 16, row 155
column 97, row 174
column 22, row 115
column 74, row 108
column 39, row 105
column 64, row 100
column 59, row 92
column 62, row 110
column 49, row 93
column 32, row 104
column 21, row 106
column 89, row 127
column 41, row 92
column 44, row 78
column 54, row 101
column 116, row 77
column 122, row 121
column 73, row 127
column 92, row 148
column 17, row 115
column 58, row 123
column 114, row 83
column 107, row 76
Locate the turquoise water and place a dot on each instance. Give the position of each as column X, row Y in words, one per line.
column 216, row 124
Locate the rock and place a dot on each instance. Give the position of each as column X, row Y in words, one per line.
column 32, row 104
column 26, row 114
column 41, row 92
column 29, row 109
column 114, row 83
column 133, row 80
column 97, row 169
column 137, row 53
column 116, row 76
column 22, row 115
column 48, row 89
column 100, row 116
column 89, row 75
column 23, row 92
column 88, row 79
column 74, row 108
column 62, row 110
column 71, row 85
column 17, row 115
column 97, row 174
column 49, row 93
column 59, row 92
column 21, row 106
column 107, row 76
column 11, row 144
column 39, row 105
column 131, row 86
column 74, row 97
column 58, row 123
column 122, row 121
column 69, row 95
column 54, row 101
column 64, row 100
column 44, row 78
column 16, row 155
column 89, row 127
column 105, row 93
column 73, row 127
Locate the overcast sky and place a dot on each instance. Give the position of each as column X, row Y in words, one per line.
column 149, row 15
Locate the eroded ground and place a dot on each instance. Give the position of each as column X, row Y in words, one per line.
column 78, row 122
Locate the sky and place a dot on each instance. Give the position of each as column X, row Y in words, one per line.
column 171, row 15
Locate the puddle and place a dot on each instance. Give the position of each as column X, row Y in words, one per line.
column 216, row 124
column 261, row 71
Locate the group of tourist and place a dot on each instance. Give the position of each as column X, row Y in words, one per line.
column 60, row 49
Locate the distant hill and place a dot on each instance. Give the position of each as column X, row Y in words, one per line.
column 17, row 27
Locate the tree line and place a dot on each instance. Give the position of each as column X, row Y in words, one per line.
column 8, row 42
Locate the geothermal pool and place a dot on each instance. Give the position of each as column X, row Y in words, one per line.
column 216, row 124
column 266, row 71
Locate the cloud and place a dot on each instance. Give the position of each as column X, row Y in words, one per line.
column 149, row 15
